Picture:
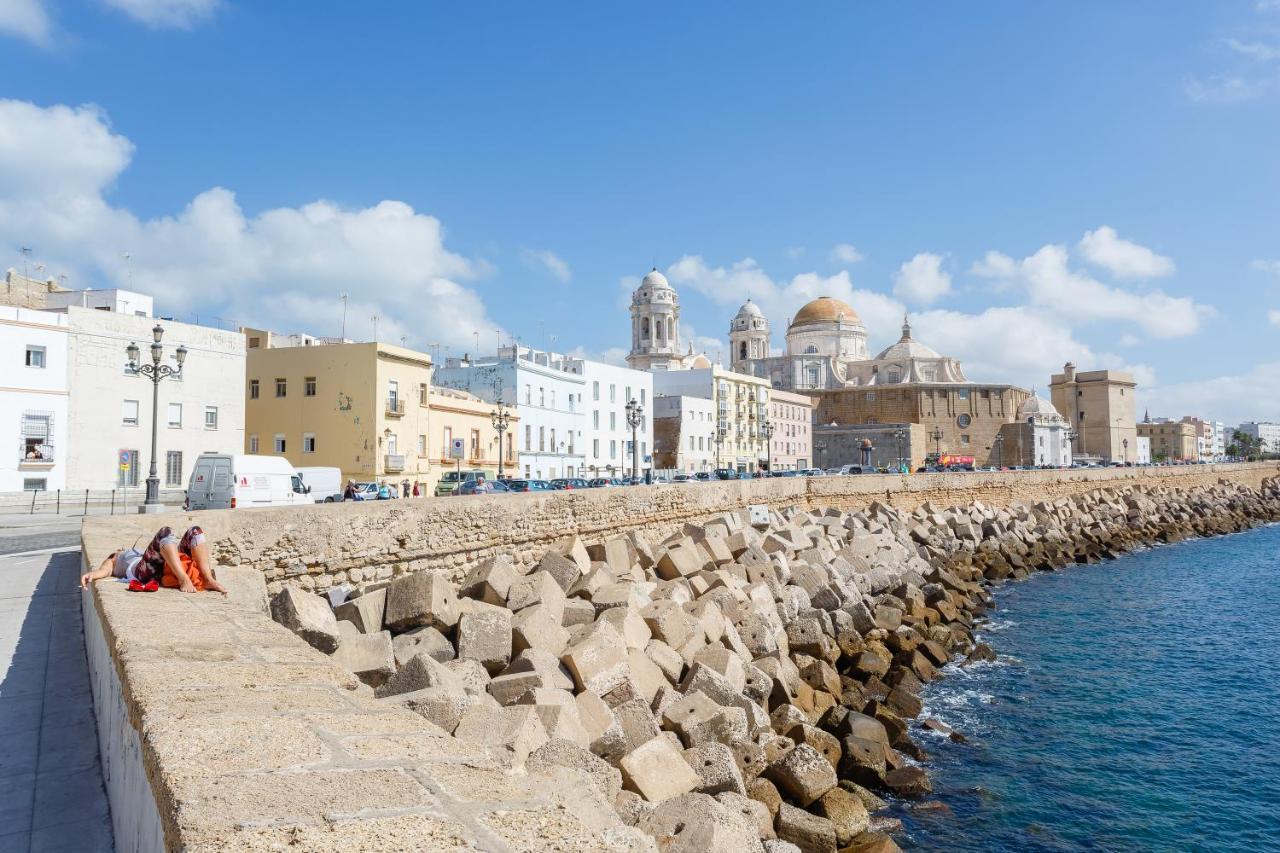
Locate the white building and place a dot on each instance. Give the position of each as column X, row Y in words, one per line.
column 547, row 388
column 1144, row 450
column 33, row 400
column 741, row 406
column 684, row 434
column 110, row 408
column 118, row 301
column 1039, row 437
column 607, row 438
column 1266, row 432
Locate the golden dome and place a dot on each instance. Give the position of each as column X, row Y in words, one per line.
column 826, row 309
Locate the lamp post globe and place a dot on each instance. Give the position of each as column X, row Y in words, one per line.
column 501, row 419
column 635, row 414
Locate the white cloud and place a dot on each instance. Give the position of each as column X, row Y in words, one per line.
column 1227, row 88
column 995, row 265
column 547, row 260
column 1125, row 259
column 1272, row 267
column 845, row 253
column 281, row 268
column 26, row 19
column 922, row 280
column 795, row 252
column 1250, row 396
column 1273, row 317
column 1255, row 50
column 179, row 14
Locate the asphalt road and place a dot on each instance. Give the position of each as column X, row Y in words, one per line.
column 19, row 533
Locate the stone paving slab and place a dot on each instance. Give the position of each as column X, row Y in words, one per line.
column 51, row 791
column 253, row 740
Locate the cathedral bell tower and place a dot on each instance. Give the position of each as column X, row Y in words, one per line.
column 655, row 325
column 748, row 337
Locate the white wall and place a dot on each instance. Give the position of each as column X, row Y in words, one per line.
column 607, row 436
column 1144, row 451
column 40, row 393
column 697, row 443
column 99, row 385
column 119, row 301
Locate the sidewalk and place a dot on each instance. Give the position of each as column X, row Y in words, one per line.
column 51, row 792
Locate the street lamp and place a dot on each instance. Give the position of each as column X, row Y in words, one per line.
column 635, row 413
column 155, row 371
column 999, row 443
column 899, row 435
column 936, row 435
column 766, row 430
column 1126, row 451
column 501, row 419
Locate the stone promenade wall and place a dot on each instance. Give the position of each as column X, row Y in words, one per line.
column 330, row 544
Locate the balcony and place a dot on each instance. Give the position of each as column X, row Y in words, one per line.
column 395, row 407
column 393, row 463
column 35, row 456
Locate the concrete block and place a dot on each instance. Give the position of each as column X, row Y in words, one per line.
column 598, row 663
column 537, row 588
column 846, row 812
column 491, row 580
column 419, row 672
column 307, row 615
column 755, row 813
column 726, row 663
column 657, row 771
column 564, row 570
column 678, row 562
column 716, row 768
column 604, row 733
column 421, row 598
column 578, row 612
column 424, row 639
column 365, row 612
column 666, row 658
column 369, row 656
column 443, row 706
column 803, row 774
column 539, row 627
column 562, row 753
column 486, row 637
column 516, row 729
column 636, row 722
column 697, row 823
column 812, row 834
column 634, row 630
column 647, row 678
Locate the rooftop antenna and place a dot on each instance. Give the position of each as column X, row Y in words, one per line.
column 542, row 333
column 343, row 297
column 26, row 253
column 477, row 334
column 128, row 262
column 402, row 340
column 374, row 318
column 40, row 270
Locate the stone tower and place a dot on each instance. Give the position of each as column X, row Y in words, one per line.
column 655, row 325
column 748, row 337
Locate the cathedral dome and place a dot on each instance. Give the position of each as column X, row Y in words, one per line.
column 700, row 362
column 907, row 347
column 826, row 309
column 655, row 279
column 1037, row 405
column 749, row 309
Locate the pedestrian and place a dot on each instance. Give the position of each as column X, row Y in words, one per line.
column 416, row 493
column 404, row 488
column 168, row 561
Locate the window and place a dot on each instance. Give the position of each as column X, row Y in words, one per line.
column 528, row 395
column 279, row 443
column 477, row 452
column 308, row 442
column 423, row 394
column 422, row 445
column 35, row 484
column 282, row 387
column 553, row 398
column 253, row 443
column 595, row 419
column 595, row 390
column 130, row 414
column 542, row 439
column 613, row 420
column 528, row 437
column 210, row 417
column 127, row 469
column 542, row 396
column 37, row 435
column 963, row 394
column 173, row 468
column 553, row 441
column 642, row 396
column 309, row 386
column 175, row 416
column 613, row 449
column 253, row 389
column 595, row 447
column 964, row 441
column 35, row 356
column 613, row 393
column 393, row 444
column 448, row 443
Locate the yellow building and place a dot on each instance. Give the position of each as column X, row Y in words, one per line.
column 458, row 415
column 740, row 403
column 359, row 407
column 1099, row 405
column 1171, row 441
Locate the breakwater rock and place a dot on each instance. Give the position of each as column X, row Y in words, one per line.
column 745, row 683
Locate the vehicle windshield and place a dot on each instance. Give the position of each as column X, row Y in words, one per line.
column 451, row 477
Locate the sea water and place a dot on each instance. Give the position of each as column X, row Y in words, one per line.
column 1135, row 706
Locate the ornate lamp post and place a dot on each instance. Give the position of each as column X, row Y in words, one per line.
column 1125, row 442
column 899, row 435
column 936, row 435
column 766, row 430
column 155, row 371
column 501, row 419
column 635, row 413
column 999, row 443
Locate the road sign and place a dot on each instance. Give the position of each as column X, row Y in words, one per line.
column 457, row 448
column 125, row 458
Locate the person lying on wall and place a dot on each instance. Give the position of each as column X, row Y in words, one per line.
column 168, row 561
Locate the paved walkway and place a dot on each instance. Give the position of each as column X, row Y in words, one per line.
column 51, row 792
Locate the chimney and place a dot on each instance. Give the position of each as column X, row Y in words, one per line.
column 1069, row 370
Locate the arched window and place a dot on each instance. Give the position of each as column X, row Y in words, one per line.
column 742, row 350
column 644, row 328
column 811, row 350
column 893, row 374
column 671, row 329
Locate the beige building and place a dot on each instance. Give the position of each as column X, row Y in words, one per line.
column 456, row 414
column 1171, row 441
column 1099, row 405
column 359, row 407
column 791, row 446
column 740, row 404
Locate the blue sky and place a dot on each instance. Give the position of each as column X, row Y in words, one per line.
column 1035, row 182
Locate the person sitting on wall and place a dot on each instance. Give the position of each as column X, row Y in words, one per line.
column 167, row 561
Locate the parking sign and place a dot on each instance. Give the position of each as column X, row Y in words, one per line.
column 457, row 448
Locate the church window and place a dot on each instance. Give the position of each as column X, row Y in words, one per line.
column 811, row 349
column 671, row 329
column 742, row 350
column 644, row 328
column 894, row 374
column 811, row 377
column 964, row 395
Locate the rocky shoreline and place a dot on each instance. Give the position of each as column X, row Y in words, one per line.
column 745, row 684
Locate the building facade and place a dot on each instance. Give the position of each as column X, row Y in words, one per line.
column 684, row 434
column 1264, row 432
column 33, row 400
column 1144, row 451
column 740, row 403
column 1099, row 405
column 1171, row 441
column 110, row 407
column 1039, row 438
column 360, row 407
column 791, row 442
column 456, row 414
column 892, row 446
column 607, row 436
column 548, row 391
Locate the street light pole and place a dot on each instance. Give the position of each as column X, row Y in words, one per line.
column 936, row 435
column 501, row 419
column 999, row 442
column 635, row 412
column 155, row 371
column 766, row 429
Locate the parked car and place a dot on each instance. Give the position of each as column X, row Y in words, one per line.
column 241, row 481
column 528, row 485
column 851, row 469
column 680, row 478
column 601, row 482
column 569, row 483
column 811, row 472
column 725, row 474
column 704, row 476
column 449, row 482
column 482, row 487
column 323, row 484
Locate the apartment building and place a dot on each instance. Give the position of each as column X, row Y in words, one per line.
column 684, row 434
column 456, row 414
column 791, row 419
column 741, row 405
column 363, row 408
column 607, row 444
column 1171, row 441
column 33, row 400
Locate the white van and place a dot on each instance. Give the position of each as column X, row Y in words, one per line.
column 323, row 484
column 236, row 481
